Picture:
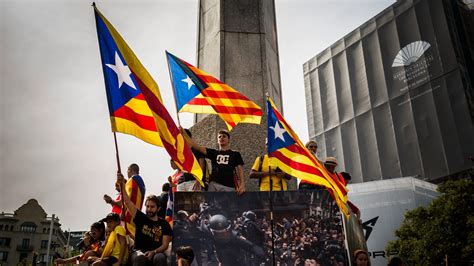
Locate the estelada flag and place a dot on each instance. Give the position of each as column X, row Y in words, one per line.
column 129, row 112
column 169, row 208
column 198, row 92
column 287, row 152
column 124, row 72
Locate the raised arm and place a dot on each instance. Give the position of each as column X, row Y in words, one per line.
column 191, row 142
column 128, row 203
column 110, row 201
column 240, row 175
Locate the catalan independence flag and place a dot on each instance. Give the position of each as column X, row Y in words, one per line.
column 135, row 189
column 129, row 112
column 198, row 92
column 169, row 208
column 290, row 155
column 127, row 80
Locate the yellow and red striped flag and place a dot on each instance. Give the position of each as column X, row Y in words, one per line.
column 130, row 75
column 198, row 92
column 288, row 153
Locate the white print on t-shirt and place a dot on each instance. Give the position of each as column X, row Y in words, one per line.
column 222, row 159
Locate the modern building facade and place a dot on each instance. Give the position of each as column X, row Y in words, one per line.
column 394, row 97
column 26, row 231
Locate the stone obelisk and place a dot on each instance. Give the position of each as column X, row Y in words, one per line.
column 237, row 43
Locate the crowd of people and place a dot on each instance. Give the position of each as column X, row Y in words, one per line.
column 130, row 236
column 249, row 237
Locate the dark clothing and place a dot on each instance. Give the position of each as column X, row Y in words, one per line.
column 308, row 186
column 149, row 234
column 230, row 251
column 252, row 232
column 223, row 166
column 197, row 153
column 185, row 177
column 163, row 203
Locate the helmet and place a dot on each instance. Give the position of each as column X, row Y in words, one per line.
column 182, row 214
column 219, row 223
column 250, row 215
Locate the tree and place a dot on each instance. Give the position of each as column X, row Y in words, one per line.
column 445, row 228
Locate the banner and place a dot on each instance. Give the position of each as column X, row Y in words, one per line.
column 257, row 228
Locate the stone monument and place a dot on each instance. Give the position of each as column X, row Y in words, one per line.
column 237, row 43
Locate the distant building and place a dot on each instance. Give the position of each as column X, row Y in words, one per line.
column 26, row 231
column 395, row 96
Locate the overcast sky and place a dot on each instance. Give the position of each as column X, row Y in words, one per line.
column 56, row 143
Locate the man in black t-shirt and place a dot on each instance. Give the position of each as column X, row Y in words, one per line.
column 152, row 233
column 227, row 165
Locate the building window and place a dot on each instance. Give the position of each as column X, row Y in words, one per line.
column 23, row 256
column 28, row 228
column 42, row 258
column 3, row 256
column 11, row 227
column 5, row 241
column 1, row 227
column 44, row 244
column 25, row 243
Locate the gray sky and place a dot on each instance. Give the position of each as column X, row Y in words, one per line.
column 55, row 140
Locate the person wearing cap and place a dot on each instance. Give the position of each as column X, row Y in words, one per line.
column 227, row 165
column 330, row 164
column 152, row 235
column 262, row 171
column 115, row 251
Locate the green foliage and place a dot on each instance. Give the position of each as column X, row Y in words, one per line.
column 446, row 227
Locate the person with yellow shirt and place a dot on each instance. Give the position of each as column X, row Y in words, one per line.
column 262, row 172
column 116, row 249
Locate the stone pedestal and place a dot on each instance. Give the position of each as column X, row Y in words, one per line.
column 237, row 43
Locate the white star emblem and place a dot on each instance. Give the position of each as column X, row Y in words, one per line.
column 122, row 71
column 278, row 131
column 189, row 81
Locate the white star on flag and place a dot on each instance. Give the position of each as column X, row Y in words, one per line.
column 278, row 131
column 122, row 71
column 189, row 81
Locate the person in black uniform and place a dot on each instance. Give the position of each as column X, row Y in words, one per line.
column 229, row 246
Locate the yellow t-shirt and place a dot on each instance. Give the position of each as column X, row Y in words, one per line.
column 277, row 183
column 119, row 231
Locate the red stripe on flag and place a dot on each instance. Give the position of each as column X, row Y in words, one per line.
column 143, row 121
column 297, row 149
column 157, row 107
column 140, row 97
column 226, row 109
column 295, row 165
column 198, row 101
column 233, row 95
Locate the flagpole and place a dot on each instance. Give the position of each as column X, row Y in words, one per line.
column 117, row 154
column 172, row 88
column 271, row 206
column 115, row 137
column 270, row 190
column 117, row 157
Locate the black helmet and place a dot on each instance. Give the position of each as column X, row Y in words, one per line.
column 250, row 215
column 218, row 223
